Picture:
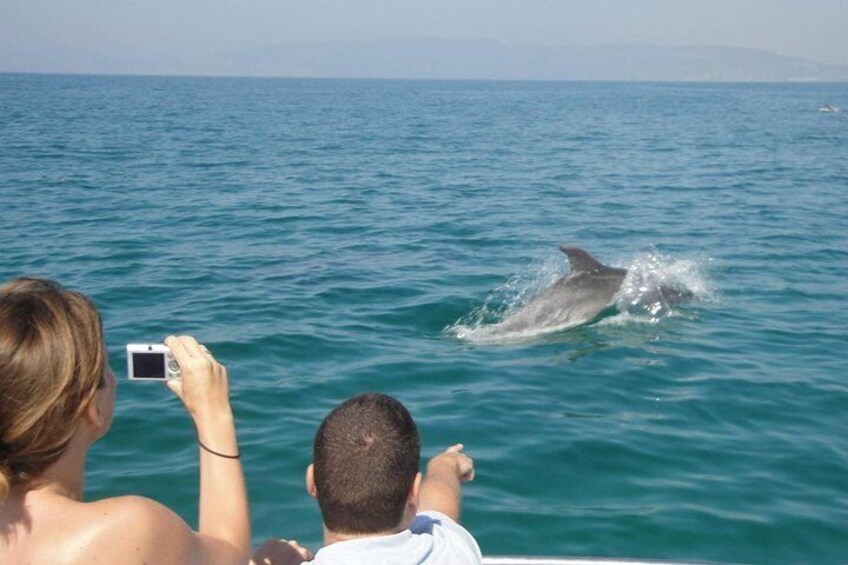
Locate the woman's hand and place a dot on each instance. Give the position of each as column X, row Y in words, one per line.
column 281, row 552
column 203, row 385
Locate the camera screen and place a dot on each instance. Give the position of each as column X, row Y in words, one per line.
column 148, row 365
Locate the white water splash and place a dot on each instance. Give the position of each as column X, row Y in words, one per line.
column 655, row 287
column 476, row 326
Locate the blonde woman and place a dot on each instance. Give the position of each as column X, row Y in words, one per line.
column 56, row 399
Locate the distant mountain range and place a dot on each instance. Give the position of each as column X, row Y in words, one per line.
column 444, row 59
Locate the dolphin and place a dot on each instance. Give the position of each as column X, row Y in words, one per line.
column 577, row 298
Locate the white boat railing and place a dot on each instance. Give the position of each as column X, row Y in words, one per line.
column 528, row 560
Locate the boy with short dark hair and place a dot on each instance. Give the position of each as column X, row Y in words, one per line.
column 376, row 507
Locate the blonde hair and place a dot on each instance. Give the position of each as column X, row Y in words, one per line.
column 52, row 361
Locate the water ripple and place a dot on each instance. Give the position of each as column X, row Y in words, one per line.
column 319, row 236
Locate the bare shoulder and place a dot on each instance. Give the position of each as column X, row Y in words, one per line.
column 128, row 529
column 134, row 529
column 138, row 507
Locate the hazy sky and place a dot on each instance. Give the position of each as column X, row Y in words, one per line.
column 816, row 29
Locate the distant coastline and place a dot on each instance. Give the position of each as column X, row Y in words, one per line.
column 456, row 60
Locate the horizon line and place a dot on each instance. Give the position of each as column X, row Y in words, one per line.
column 413, row 79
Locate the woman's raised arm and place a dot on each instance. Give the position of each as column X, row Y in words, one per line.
column 204, row 389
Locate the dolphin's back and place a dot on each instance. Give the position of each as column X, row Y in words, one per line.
column 575, row 299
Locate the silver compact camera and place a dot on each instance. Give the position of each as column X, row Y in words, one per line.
column 151, row 362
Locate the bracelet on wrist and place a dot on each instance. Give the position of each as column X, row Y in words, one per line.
column 213, row 452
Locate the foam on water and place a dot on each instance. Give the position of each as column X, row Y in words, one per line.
column 476, row 326
column 657, row 286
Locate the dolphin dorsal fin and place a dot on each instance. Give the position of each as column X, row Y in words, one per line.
column 580, row 261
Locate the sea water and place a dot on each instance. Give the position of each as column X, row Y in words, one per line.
column 328, row 237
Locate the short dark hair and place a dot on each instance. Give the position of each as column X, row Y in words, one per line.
column 365, row 458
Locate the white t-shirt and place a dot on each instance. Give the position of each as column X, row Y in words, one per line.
column 432, row 539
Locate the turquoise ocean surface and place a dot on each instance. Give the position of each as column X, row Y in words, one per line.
column 330, row 237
